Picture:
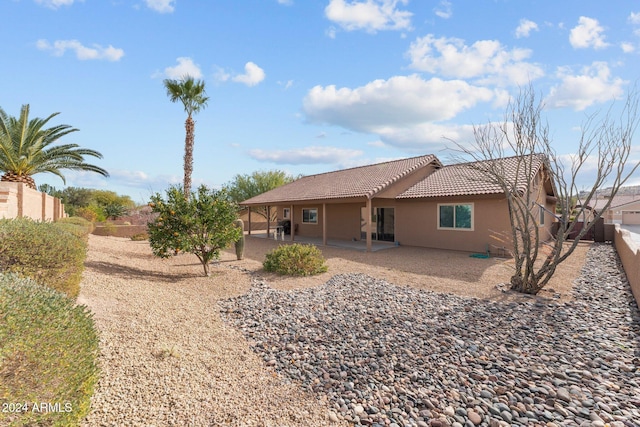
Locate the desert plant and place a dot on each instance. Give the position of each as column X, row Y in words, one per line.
column 604, row 141
column 295, row 260
column 114, row 211
column 85, row 226
column 201, row 224
column 44, row 251
column 140, row 237
column 240, row 242
column 48, row 353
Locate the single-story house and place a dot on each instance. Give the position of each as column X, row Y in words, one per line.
column 624, row 209
column 416, row 201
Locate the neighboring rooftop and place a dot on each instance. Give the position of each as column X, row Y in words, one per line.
column 363, row 181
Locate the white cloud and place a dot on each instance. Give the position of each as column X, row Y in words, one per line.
column 59, row 47
column 306, row 155
column 588, row 33
column 400, row 110
column 369, row 15
column 54, row 4
column 161, row 6
column 634, row 18
column 485, row 59
column 593, row 85
column 444, row 10
column 252, row 75
column 627, row 47
column 525, row 28
column 185, row 67
column 285, row 2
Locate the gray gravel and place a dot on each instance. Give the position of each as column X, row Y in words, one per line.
column 386, row 355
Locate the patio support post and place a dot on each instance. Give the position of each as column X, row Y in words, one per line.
column 249, row 220
column 324, row 224
column 293, row 224
column 268, row 220
column 369, row 209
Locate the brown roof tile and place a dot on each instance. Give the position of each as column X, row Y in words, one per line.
column 468, row 179
column 363, row 181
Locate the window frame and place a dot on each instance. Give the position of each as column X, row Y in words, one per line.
column 454, row 228
column 316, row 216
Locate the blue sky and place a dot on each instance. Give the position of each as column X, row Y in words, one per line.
column 304, row 86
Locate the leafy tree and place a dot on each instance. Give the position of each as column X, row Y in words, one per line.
column 202, row 224
column 104, row 198
column 607, row 140
column 26, row 149
column 191, row 94
column 50, row 190
column 246, row 186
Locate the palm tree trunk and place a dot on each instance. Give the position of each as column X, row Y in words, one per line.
column 188, row 155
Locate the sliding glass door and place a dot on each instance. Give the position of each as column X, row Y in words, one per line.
column 383, row 224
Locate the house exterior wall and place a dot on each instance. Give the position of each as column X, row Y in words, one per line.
column 17, row 200
column 417, row 224
column 625, row 214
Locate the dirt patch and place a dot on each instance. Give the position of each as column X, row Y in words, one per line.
column 423, row 268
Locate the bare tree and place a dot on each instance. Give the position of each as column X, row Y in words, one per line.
column 517, row 155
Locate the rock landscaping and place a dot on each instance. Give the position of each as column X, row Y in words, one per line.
column 387, row 355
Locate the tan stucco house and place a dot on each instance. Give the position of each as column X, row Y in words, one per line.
column 415, row 202
column 624, row 209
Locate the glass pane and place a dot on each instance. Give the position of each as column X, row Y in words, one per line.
column 446, row 216
column 313, row 215
column 463, row 216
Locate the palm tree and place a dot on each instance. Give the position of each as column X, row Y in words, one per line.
column 193, row 96
column 26, row 149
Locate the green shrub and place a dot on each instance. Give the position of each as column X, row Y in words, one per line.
column 47, row 252
column 139, row 237
column 295, row 260
column 84, row 226
column 48, row 353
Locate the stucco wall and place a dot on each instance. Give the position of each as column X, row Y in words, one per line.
column 629, row 253
column 417, row 225
column 18, row 200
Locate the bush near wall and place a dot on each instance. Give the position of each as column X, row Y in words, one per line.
column 76, row 225
column 46, row 252
column 48, row 353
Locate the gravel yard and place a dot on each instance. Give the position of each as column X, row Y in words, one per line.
column 357, row 349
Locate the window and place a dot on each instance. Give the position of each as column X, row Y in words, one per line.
column 541, row 222
column 310, row 216
column 455, row 216
column 286, row 213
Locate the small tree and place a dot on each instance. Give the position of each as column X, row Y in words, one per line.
column 525, row 136
column 202, row 224
column 246, row 186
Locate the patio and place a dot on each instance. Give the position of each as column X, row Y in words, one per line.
column 359, row 245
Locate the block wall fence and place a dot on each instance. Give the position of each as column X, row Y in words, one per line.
column 629, row 253
column 17, row 201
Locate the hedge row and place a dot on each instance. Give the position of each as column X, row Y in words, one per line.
column 52, row 254
column 48, row 353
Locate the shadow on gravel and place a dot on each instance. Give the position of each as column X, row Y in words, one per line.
column 135, row 273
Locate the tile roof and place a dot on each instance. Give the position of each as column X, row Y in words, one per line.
column 618, row 201
column 363, row 181
column 468, row 179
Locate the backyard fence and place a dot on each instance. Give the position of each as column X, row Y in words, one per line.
column 18, row 201
column 629, row 253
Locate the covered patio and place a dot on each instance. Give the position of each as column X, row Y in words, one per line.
column 359, row 245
